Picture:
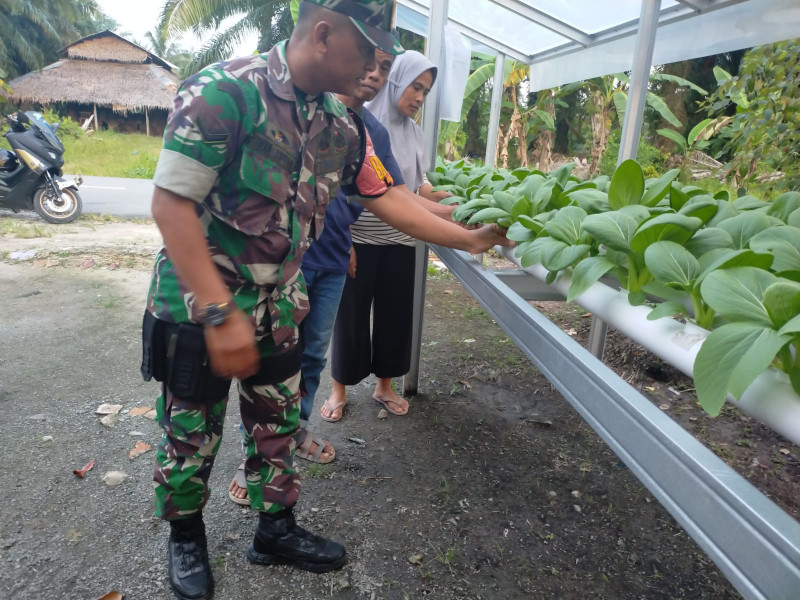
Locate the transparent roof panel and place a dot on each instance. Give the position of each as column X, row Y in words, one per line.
column 498, row 23
column 592, row 16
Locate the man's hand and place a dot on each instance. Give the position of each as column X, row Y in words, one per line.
column 232, row 347
column 489, row 236
column 351, row 269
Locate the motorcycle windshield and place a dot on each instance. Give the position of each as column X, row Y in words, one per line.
column 37, row 122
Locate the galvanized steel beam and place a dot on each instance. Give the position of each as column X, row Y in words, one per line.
column 753, row 542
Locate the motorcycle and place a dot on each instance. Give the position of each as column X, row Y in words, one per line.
column 30, row 174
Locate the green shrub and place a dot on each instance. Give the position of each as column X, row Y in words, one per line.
column 66, row 126
column 647, row 156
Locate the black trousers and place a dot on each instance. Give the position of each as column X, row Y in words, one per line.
column 384, row 282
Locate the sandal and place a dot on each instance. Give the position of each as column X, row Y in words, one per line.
column 386, row 404
column 333, row 418
column 304, row 440
column 241, row 481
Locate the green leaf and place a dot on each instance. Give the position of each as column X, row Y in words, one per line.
column 529, row 223
column 612, row 229
column 546, row 118
column 673, row 227
column 518, row 232
column 696, row 130
column 676, row 196
column 667, row 309
column 725, row 258
column 504, row 201
column 791, row 326
column 782, row 206
column 794, row 218
column 637, row 298
column 487, row 215
column 671, row 263
column 543, row 195
column 725, row 211
column 749, row 203
column 627, row 185
column 680, row 81
column 782, row 300
column 737, row 294
column 722, row 75
column 620, row 104
column 702, row 207
column 566, row 224
column 523, row 206
column 586, row 273
column 744, row 226
column 674, row 136
column 590, row 200
column 722, row 195
column 533, row 255
column 658, row 104
column 730, row 359
column 530, row 185
column 656, row 189
column 452, row 200
column 707, row 239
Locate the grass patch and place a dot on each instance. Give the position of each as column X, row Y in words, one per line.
column 112, row 154
column 19, row 229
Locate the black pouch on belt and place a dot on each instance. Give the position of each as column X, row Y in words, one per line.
column 278, row 368
column 175, row 353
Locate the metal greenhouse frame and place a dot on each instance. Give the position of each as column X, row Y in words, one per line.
column 753, row 542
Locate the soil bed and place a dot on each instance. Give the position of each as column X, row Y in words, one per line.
column 491, row 487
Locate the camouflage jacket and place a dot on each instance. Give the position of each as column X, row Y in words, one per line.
column 262, row 160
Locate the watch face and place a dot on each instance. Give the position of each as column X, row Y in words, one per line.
column 214, row 315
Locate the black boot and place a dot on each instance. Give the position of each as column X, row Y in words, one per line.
column 280, row 541
column 189, row 573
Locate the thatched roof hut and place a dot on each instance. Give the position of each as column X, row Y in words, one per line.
column 102, row 71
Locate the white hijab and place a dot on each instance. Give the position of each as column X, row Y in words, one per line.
column 404, row 134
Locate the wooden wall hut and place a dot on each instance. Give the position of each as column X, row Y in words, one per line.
column 119, row 84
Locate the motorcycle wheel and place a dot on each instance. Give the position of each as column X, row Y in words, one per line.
column 54, row 209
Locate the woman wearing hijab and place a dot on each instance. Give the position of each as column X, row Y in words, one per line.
column 384, row 277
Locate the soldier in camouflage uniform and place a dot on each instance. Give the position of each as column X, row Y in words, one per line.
column 253, row 152
column 248, row 165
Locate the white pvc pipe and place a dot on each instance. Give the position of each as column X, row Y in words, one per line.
column 770, row 398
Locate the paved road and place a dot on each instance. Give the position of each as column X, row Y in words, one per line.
column 117, row 196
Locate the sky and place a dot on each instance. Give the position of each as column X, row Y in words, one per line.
column 137, row 17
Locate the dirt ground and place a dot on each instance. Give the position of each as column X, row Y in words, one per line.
column 491, row 487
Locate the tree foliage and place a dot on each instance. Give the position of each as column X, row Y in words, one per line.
column 226, row 24
column 765, row 101
column 33, row 31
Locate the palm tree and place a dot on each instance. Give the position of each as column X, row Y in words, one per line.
column 160, row 45
column 34, row 30
column 270, row 19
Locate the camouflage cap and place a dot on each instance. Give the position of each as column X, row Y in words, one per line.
column 373, row 18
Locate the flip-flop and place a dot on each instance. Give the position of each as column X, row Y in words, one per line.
column 241, row 481
column 304, row 440
column 386, row 404
column 333, row 418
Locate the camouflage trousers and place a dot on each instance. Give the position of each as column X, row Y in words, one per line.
column 192, row 436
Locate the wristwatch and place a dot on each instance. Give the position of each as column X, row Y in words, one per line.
column 215, row 314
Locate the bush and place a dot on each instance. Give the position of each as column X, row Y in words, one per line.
column 649, row 157
column 66, row 126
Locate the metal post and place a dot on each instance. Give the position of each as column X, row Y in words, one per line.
column 632, row 125
column 494, row 111
column 146, row 121
column 437, row 20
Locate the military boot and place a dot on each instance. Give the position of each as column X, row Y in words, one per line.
column 189, row 573
column 280, row 541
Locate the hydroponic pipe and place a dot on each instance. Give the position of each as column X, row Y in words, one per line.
column 770, row 398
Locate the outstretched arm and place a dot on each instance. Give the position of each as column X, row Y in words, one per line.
column 398, row 208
